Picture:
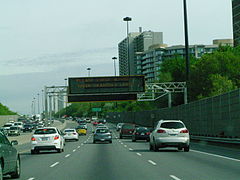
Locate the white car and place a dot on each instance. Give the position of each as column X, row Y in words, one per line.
column 47, row 138
column 70, row 134
column 7, row 126
column 170, row 133
column 19, row 124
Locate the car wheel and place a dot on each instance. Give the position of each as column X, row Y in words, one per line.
column 1, row 171
column 133, row 140
column 16, row 173
column 179, row 148
column 33, row 152
column 148, row 140
column 120, row 137
column 94, row 142
column 59, row 150
column 186, row 149
column 150, row 147
column 155, row 148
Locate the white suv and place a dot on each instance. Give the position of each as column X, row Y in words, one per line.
column 48, row 138
column 170, row 133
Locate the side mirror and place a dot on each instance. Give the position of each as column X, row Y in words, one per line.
column 14, row 143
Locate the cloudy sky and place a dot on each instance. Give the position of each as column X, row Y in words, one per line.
column 44, row 41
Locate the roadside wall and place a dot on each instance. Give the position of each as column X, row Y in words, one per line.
column 215, row 116
column 5, row 119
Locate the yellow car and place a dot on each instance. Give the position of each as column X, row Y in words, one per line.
column 81, row 131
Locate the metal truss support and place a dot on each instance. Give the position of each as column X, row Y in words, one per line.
column 55, row 98
column 155, row 91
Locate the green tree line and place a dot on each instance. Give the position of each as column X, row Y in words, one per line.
column 212, row 74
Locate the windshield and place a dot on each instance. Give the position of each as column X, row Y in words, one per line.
column 102, row 131
column 172, row 125
column 13, row 128
column 69, row 130
column 7, row 125
column 45, row 131
column 128, row 126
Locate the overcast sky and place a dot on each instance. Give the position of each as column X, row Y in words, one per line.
column 44, row 41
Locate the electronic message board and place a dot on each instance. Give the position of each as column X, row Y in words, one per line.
column 106, row 85
column 102, row 97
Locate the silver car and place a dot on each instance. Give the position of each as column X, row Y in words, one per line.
column 170, row 133
column 102, row 135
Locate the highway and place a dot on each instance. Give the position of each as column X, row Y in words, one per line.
column 123, row 160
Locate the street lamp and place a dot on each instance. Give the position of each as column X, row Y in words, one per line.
column 186, row 46
column 43, row 101
column 186, row 41
column 127, row 19
column 88, row 69
column 38, row 104
column 114, row 61
column 66, row 97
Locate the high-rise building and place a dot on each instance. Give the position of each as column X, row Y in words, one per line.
column 138, row 42
column 236, row 21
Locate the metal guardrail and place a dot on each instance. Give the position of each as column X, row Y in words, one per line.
column 233, row 141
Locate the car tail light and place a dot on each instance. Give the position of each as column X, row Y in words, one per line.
column 161, row 131
column 136, row 133
column 147, row 133
column 56, row 137
column 184, row 131
column 33, row 139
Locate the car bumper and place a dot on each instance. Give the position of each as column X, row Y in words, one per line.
column 70, row 137
column 172, row 142
column 45, row 146
column 102, row 138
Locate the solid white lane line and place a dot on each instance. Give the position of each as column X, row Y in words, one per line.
column 139, row 154
column 224, row 157
column 74, row 150
column 56, row 163
column 32, row 178
column 130, row 149
column 153, row 163
column 174, row 177
column 67, row 155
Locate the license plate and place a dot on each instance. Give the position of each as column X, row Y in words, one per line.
column 44, row 138
column 172, row 134
column 142, row 134
column 130, row 131
column 102, row 139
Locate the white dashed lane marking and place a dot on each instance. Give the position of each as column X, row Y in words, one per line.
column 130, row 149
column 56, row 163
column 67, row 155
column 153, row 163
column 139, row 154
column 32, row 178
column 174, row 177
column 74, row 150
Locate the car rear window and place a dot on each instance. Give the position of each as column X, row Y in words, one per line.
column 142, row 130
column 102, row 131
column 13, row 128
column 128, row 126
column 45, row 131
column 69, row 130
column 172, row 125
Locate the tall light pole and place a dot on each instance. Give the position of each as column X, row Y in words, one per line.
column 38, row 104
column 66, row 97
column 34, row 106
column 127, row 19
column 186, row 41
column 88, row 69
column 43, row 101
column 186, row 48
column 114, row 61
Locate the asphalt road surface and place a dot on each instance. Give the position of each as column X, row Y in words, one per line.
column 125, row 160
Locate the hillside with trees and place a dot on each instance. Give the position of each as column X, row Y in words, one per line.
column 5, row 110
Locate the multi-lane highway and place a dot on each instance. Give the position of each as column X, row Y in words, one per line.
column 123, row 160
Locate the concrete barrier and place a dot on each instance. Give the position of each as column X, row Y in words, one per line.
column 4, row 119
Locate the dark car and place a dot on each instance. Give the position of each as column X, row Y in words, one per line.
column 102, row 135
column 126, row 130
column 9, row 157
column 141, row 133
column 27, row 128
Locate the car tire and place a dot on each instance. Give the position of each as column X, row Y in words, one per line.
column 1, row 171
column 150, row 147
column 148, row 140
column 59, row 150
column 179, row 148
column 33, row 152
column 110, row 142
column 155, row 148
column 94, row 142
column 133, row 140
column 120, row 137
column 17, row 172
column 186, row 149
